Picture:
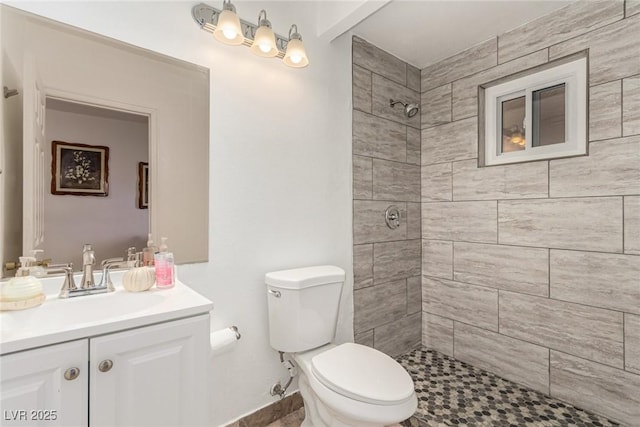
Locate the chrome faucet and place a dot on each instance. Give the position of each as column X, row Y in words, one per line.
column 88, row 261
column 107, row 264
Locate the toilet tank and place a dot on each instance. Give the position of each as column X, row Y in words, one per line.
column 303, row 307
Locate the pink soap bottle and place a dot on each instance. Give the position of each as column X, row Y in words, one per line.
column 164, row 266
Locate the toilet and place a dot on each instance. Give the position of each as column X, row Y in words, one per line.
column 341, row 384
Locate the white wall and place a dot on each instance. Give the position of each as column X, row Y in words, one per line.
column 280, row 193
column 70, row 221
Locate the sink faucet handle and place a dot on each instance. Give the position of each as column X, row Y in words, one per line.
column 110, row 260
column 69, row 284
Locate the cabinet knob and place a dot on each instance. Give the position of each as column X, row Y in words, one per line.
column 105, row 365
column 71, row 374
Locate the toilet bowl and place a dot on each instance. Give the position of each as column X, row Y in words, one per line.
column 346, row 385
column 353, row 385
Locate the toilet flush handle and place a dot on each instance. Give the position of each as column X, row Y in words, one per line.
column 276, row 294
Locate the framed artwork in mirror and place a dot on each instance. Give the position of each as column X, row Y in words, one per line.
column 79, row 169
column 143, row 185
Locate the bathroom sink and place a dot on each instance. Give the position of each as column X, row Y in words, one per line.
column 58, row 320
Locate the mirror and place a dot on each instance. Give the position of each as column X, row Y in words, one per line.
column 83, row 90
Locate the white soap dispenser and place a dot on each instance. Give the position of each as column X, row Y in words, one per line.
column 24, row 290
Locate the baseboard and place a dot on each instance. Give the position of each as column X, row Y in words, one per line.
column 265, row 416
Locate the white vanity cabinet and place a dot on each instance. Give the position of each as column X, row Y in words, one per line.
column 151, row 375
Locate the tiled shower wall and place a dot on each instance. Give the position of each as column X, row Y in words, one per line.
column 386, row 171
column 532, row 271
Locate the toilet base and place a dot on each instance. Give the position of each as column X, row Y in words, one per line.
column 317, row 414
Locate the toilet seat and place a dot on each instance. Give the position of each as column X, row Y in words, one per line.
column 363, row 374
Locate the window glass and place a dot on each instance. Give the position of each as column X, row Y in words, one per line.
column 513, row 132
column 548, row 116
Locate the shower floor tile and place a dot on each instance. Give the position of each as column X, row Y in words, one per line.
column 453, row 393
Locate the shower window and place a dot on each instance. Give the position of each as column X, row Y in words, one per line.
column 535, row 115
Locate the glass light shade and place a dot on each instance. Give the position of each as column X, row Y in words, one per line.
column 228, row 30
column 264, row 43
column 296, row 56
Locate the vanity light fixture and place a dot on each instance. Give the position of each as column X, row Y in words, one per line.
column 264, row 42
column 228, row 29
column 295, row 56
column 260, row 38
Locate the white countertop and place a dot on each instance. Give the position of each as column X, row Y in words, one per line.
column 58, row 320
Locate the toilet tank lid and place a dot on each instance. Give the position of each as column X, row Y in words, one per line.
column 300, row 278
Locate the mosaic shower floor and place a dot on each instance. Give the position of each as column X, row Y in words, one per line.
column 453, row 393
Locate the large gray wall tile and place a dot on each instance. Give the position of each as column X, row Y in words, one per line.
column 451, row 141
column 467, row 221
column 362, row 177
column 613, row 50
column 475, row 305
column 369, row 313
column 436, row 106
column 396, row 260
column 632, row 225
column 525, row 180
column 377, row 60
column 396, row 181
column 364, row 338
column 361, row 89
column 583, row 223
column 398, row 337
column 568, row 22
column 414, row 294
column 413, row 77
column 362, row 266
column 465, row 63
column 436, row 182
column 513, row 359
column 465, row 91
column 604, row 390
column 597, row 279
column 414, row 221
column 632, row 343
column 376, row 137
column 437, row 258
column 631, row 105
column 369, row 225
column 612, row 167
column 605, row 106
column 385, row 89
column 512, row 268
column 631, row 7
column 413, row 145
column 437, row 333
column 589, row 332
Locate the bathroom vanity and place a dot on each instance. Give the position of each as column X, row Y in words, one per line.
column 117, row 359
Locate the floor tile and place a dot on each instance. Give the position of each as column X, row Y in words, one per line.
column 453, row 393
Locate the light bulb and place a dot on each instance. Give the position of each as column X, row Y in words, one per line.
column 295, row 59
column 229, row 33
column 265, row 47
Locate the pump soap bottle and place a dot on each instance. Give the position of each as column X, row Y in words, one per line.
column 164, row 265
column 149, row 252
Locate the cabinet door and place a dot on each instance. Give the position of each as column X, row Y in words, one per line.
column 35, row 390
column 151, row 376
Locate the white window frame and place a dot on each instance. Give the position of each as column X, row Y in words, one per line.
column 574, row 76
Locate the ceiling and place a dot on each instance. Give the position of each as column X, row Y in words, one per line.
column 423, row 32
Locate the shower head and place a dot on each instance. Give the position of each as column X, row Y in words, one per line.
column 410, row 110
